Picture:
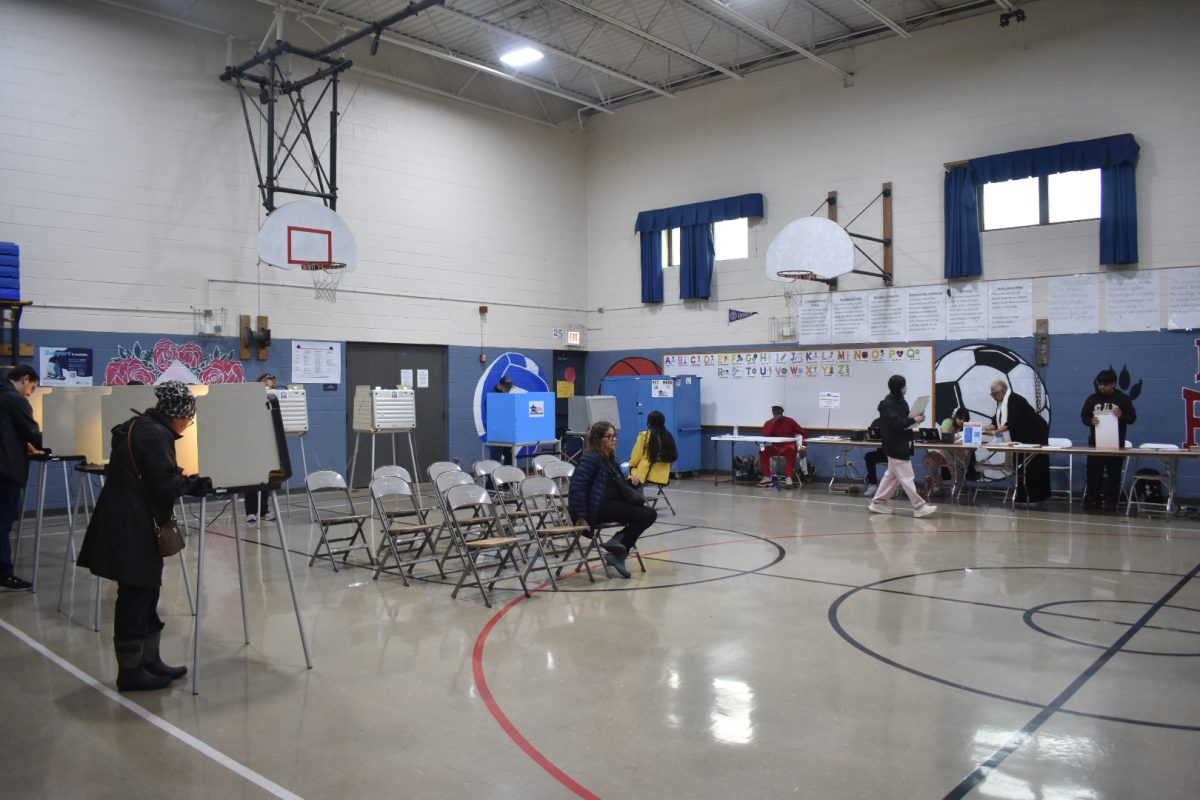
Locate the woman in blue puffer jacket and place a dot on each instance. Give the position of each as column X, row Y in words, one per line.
column 597, row 496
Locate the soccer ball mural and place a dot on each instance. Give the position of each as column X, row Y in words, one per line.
column 964, row 377
column 526, row 377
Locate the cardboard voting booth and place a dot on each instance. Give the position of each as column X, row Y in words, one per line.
column 520, row 417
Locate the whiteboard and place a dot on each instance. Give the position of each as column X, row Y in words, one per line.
column 740, row 386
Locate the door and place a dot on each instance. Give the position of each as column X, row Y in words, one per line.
column 568, row 367
column 383, row 365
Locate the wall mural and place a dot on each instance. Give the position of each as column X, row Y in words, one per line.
column 168, row 361
column 526, row 377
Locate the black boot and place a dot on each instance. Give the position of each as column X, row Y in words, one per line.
column 154, row 664
column 131, row 673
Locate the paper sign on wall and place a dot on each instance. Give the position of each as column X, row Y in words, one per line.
column 406, row 377
column 316, row 362
column 664, row 388
column 829, row 399
column 65, row 366
column 422, row 379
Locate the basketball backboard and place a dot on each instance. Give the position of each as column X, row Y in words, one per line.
column 304, row 233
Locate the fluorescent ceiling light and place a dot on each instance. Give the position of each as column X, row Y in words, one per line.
column 521, row 56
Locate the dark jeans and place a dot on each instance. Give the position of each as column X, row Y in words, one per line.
column 873, row 459
column 257, row 502
column 10, row 509
column 137, row 612
column 635, row 518
column 1103, row 478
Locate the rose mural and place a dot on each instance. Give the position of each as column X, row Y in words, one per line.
column 170, row 361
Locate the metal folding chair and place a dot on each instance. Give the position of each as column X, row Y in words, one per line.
column 659, row 494
column 540, row 462
column 324, row 488
column 440, row 467
column 404, row 541
column 1068, row 469
column 546, row 508
column 480, row 535
column 482, row 470
column 560, row 472
column 442, row 484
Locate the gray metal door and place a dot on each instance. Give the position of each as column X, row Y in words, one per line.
column 372, row 364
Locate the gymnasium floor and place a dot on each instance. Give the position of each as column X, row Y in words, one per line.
column 781, row 644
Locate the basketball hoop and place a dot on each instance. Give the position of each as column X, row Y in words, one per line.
column 797, row 274
column 326, row 276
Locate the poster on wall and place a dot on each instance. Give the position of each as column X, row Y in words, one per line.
column 1075, row 304
column 172, row 361
column 886, row 307
column 966, row 312
column 1183, row 298
column 926, row 313
column 1010, row 309
column 1133, row 302
column 316, row 362
column 65, row 366
column 851, row 320
column 814, row 319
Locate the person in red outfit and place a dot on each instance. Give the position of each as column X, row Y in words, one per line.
column 779, row 425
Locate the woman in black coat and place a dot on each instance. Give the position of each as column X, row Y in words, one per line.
column 598, row 495
column 120, row 543
column 1018, row 419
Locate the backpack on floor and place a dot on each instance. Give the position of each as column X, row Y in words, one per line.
column 745, row 468
column 1147, row 490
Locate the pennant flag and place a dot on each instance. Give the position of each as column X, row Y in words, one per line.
column 735, row 315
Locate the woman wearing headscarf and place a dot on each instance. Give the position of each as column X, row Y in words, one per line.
column 600, row 493
column 142, row 483
column 897, row 443
column 1017, row 418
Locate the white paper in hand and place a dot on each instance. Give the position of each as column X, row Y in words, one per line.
column 1108, row 435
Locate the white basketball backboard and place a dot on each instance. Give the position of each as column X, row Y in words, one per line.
column 302, row 232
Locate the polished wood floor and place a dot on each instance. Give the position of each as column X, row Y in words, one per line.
column 780, row 644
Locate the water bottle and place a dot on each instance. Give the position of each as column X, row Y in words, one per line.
column 775, row 481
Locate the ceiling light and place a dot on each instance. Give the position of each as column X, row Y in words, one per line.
column 521, row 56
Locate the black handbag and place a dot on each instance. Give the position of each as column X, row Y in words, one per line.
column 628, row 492
column 167, row 536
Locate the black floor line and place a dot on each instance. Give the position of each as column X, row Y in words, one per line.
column 980, row 773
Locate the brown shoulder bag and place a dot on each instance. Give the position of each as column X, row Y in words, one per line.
column 170, row 540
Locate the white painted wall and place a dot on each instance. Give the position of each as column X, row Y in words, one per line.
column 128, row 182
column 1076, row 69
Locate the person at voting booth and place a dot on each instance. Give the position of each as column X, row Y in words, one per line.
column 600, row 493
column 20, row 437
column 1017, row 418
column 142, row 483
column 259, row 503
column 779, row 425
column 1104, row 472
column 897, row 442
column 502, row 454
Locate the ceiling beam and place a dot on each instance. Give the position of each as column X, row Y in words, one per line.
column 647, row 37
column 590, row 64
column 885, row 19
column 787, row 44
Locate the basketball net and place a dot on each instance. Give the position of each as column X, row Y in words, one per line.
column 326, row 275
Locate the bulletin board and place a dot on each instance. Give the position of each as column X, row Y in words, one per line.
column 740, row 386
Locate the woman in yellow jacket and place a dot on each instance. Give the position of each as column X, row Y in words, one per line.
column 654, row 452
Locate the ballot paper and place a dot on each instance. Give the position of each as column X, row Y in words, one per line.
column 1108, row 435
column 918, row 407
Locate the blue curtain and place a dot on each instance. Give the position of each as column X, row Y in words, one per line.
column 962, row 258
column 696, row 242
column 1116, row 158
column 696, row 255
column 652, row 276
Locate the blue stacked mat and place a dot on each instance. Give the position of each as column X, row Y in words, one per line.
column 10, row 271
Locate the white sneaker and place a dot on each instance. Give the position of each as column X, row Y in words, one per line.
column 877, row 509
column 925, row 510
column 251, row 519
column 269, row 516
column 788, row 483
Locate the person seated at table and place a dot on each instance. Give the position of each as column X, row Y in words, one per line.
column 874, row 458
column 1023, row 425
column 779, row 425
column 654, row 451
column 938, row 460
column 1104, row 472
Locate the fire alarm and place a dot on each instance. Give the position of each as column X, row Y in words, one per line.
column 483, row 358
column 482, row 310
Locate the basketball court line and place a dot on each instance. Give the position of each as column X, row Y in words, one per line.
column 204, row 749
column 997, row 758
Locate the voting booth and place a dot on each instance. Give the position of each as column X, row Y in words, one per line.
column 583, row 412
column 520, row 417
column 384, row 411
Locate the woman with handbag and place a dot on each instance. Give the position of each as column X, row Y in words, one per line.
column 654, row 452
column 133, row 527
column 600, row 493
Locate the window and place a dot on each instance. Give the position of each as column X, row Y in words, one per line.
column 731, row 240
column 1061, row 197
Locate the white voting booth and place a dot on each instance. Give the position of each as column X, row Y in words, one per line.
column 238, row 441
column 389, row 412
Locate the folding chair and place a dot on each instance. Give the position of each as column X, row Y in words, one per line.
column 659, row 494
column 484, row 518
column 1068, row 468
column 1136, row 499
column 397, row 471
column 440, row 467
column 442, row 484
column 323, row 488
column 482, row 470
column 546, row 508
column 406, row 542
column 506, row 482
column 560, row 472
column 540, row 462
